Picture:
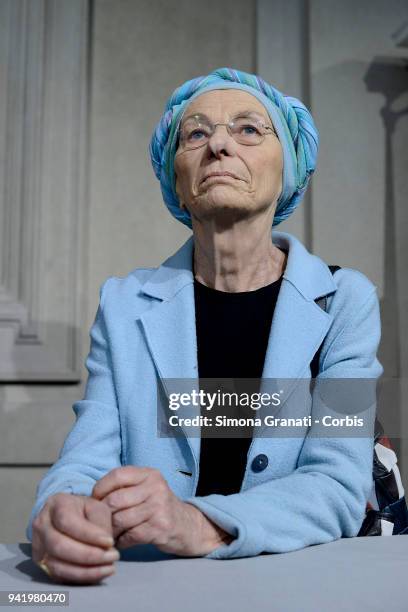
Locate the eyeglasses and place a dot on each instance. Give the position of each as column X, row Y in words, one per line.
column 197, row 131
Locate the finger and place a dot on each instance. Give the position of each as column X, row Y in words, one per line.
column 127, row 497
column 142, row 534
column 66, row 549
column 99, row 514
column 130, row 518
column 118, row 478
column 60, row 571
column 37, row 548
column 75, row 525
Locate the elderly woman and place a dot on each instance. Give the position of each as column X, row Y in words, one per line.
column 234, row 157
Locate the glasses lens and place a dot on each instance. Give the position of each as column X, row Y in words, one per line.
column 247, row 131
column 195, row 133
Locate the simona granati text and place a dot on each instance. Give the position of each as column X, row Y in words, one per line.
column 268, row 421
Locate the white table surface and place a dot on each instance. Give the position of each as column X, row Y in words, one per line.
column 353, row 574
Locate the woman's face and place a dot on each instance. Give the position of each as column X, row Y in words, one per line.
column 258, row 167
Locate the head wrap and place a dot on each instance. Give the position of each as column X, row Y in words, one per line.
column 291, row 119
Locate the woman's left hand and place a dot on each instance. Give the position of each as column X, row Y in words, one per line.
column 146, row 511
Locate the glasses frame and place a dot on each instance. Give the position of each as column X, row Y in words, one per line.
column 229, row 126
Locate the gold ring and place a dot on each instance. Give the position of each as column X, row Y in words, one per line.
column 44, row 566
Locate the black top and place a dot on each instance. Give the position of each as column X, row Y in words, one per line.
column 232, row 337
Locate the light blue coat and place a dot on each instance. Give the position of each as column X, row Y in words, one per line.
column 314, row 489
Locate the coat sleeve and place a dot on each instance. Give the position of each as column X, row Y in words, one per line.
column 325, row 498
column 97, row 427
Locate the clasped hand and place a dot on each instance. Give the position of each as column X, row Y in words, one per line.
column 146, row 511
column 77, row 536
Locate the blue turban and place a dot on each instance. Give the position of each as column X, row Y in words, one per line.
column 292, row 121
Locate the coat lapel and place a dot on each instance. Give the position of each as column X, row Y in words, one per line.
column 170, row 330
column 298, row 327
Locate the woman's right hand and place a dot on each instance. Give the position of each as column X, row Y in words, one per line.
column 72, row 535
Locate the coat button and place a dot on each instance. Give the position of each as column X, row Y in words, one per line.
column 260, row 463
